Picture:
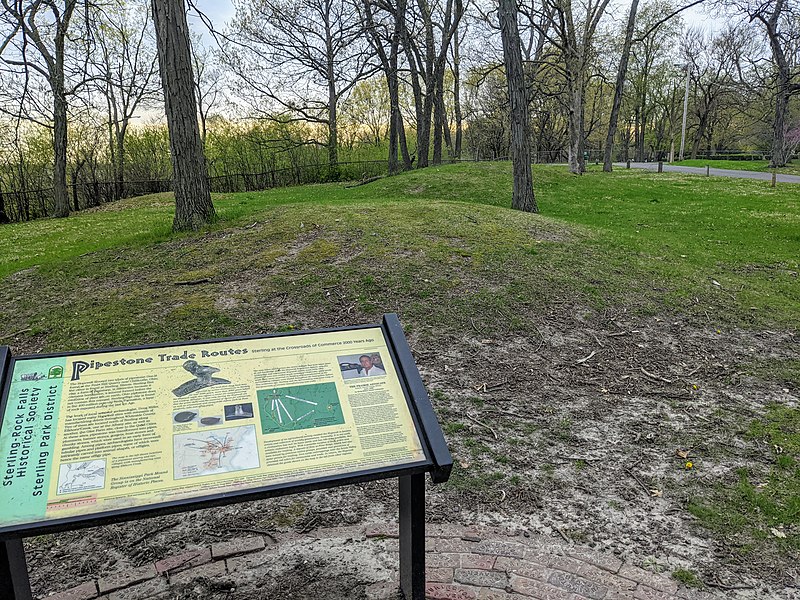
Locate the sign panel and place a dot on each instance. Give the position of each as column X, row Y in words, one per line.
column 92, row 433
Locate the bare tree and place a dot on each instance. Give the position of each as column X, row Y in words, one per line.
column 427, row 57
column 457, row 113
column 193, row 206
column 523, row 197
column 712, row 66
column 127, row 67
column 302, row 56
column 572, row 30
column 208, row 82
column 651, row 58
column 36, row 40
column 780, row 20
column 379, row 33
column 619, row 87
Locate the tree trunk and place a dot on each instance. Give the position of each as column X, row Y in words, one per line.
column 75, row 203
column 333, row 134
column 389, row 63
column 193, row 206
column 523, row 197
column 424, row 129
column 424, row 119
column 60, row 190
column 779, row 158
column 395, row 122
column 333, row 125
column 442, row 131
column 457, row 97
column 438, row 118
column 3, row 213
column 619, row 88
column 698, row 139
column 119, row 168
column 400, row 30
column 576, row 163
column 408, row 162
column 394, row 109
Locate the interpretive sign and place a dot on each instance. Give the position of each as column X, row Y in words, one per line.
column 96, row 437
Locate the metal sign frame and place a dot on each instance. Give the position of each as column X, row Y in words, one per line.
column 438, row 462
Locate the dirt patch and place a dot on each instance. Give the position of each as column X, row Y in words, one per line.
column 541, row 441
column 570, row 413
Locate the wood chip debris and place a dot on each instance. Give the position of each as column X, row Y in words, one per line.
column 580, row 361
column 654, row 376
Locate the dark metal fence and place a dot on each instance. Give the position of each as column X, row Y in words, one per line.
column 26, row 205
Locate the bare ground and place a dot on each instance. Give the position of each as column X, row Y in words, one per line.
column 577, row 425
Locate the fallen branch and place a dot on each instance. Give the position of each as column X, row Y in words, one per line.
column 253, row 530
column 639, row 481
column 512, row 414
column 563, row 535
column 653, row 376
column 660, row 394
column 722, row 586
column 585, row 358
column 697, row 416
column 583, row 458
column 141, row 538
column 364, row 181
column 309, row 525
column 692, row 372
column 8, row 336
column 192, row 281
column 475, row 327
column 484, row 425
column 494, row 386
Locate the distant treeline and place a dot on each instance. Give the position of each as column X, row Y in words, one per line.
column 240, row 158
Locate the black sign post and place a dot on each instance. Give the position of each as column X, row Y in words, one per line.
column 14, row 584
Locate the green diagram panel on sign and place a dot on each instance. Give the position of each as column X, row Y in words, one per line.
column 299, row 407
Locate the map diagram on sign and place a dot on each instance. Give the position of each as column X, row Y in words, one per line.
column 81, row 476
column 299, row 407
column 214, row 452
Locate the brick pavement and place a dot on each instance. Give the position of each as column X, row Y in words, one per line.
column 462, row 563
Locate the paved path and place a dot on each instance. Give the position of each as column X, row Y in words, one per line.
column 760, row 175
column 462, row 564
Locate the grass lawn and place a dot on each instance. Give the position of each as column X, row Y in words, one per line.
column 739, row 165
column 690, row 232
column 683, row 289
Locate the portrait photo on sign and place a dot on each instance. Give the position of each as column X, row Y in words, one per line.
column 368, row 364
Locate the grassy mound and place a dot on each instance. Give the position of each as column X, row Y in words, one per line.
column 570, row 354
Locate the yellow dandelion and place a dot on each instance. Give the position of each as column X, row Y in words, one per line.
column 689, row 464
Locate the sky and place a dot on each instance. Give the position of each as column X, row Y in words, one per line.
column 220, row 11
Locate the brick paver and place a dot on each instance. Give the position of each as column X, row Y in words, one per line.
column 463, row 563
column 84, row 591
column 184, row 560
column 126, row 578
column 236, row 547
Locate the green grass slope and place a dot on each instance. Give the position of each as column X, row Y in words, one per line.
column 736, row 242
column 713, row 259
